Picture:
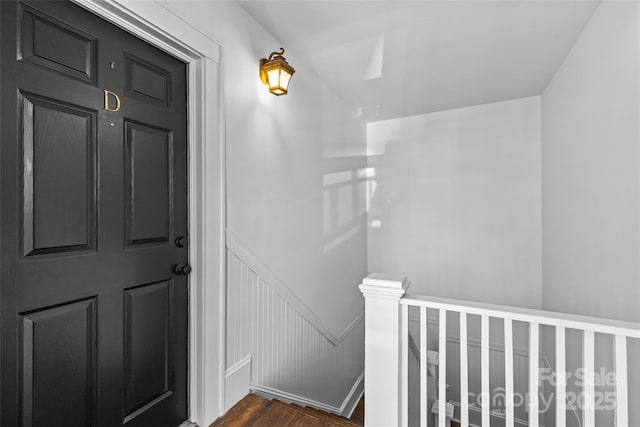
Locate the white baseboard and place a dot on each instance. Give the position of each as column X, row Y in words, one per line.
column 238, row 385
column 354, row 396
column 272, row 393
column 236, row 382
column 345, row 410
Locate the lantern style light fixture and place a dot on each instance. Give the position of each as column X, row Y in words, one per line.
column 276, row 72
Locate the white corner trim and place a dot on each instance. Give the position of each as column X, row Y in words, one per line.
column 260, row 268
column 164, row 30
column 174, row 8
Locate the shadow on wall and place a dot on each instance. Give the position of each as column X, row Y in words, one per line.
column 345, row 195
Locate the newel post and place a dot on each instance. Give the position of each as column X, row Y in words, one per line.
column 382, row 295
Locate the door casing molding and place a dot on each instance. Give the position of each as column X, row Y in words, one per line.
column 156, row 25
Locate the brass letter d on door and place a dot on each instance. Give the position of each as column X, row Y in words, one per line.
column 107, row 94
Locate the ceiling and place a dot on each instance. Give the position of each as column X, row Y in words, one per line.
column 390, row 59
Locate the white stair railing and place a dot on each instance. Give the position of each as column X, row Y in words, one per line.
column 387, row 349
column 382, row 350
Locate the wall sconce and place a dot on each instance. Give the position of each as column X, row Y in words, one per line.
column 276, row 72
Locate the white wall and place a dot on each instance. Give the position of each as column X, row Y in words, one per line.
column 590, row 171
column 296, row 189
column 293, row 194
column 455, row 196
column 591, row 187
column 455, row 202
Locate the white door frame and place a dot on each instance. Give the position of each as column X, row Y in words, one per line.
column 155, row 24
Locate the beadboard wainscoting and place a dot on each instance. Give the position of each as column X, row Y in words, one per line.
column 277, row 347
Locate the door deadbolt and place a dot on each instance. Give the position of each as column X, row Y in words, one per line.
column 180, row 241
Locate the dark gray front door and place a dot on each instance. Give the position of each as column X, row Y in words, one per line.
column 94, row 318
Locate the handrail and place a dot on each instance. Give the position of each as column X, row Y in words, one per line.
column 387, row 363
column 595, row 324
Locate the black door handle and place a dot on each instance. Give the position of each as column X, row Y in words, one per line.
column 182, row 269
column 180, row 241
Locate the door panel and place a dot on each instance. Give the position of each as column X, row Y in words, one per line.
column 146, row 81
column 149, row 159
column 48, row 42
column 58, row 145
column 58, row 389
column 94, row 321
column 147, row 345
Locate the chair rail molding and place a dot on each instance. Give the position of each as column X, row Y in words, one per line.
column 255, row 263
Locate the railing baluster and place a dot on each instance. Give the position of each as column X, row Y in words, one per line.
column 404, row 354
column 588, row 356
column 561, row 378
column 464, row 372
column 387, row 367
column 442, row 369
column 622, row 404
column 484, row 371
column 534, row 373
column 424, row 409
column 508, row 372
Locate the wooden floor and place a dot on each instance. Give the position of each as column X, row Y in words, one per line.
column 254, row 410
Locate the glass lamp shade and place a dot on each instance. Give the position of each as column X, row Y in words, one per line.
column 276, row 74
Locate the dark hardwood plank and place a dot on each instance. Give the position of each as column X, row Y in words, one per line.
column 358, row 413
column 254, row 410
column 250, row 407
